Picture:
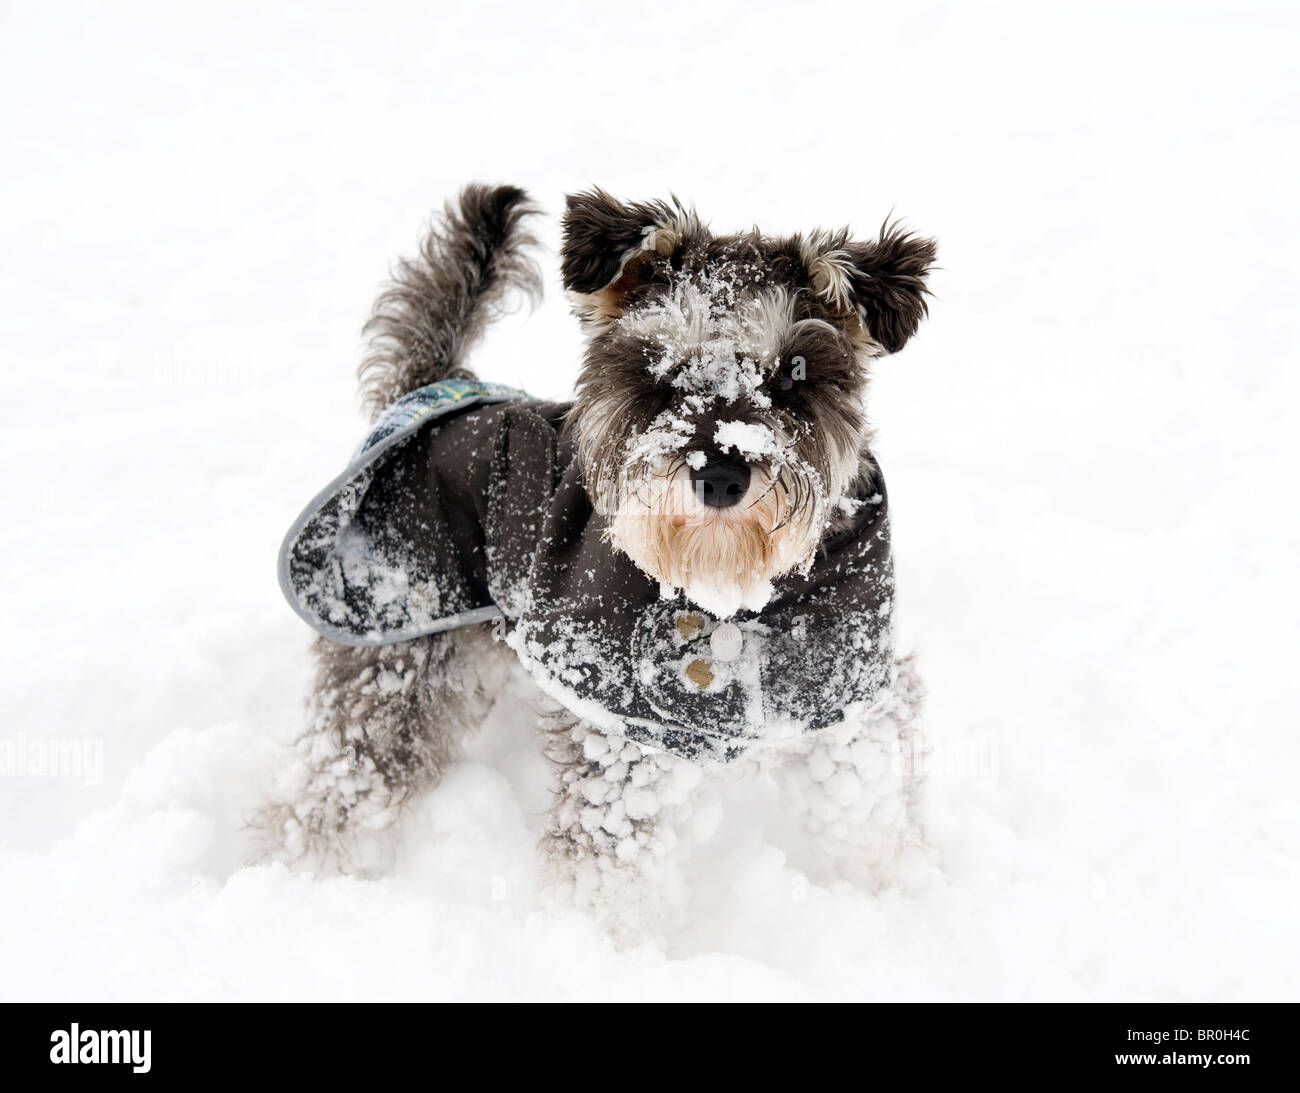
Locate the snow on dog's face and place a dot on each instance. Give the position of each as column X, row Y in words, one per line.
column 720, row 411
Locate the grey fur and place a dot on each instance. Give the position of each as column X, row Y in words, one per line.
column 439, row 304
column 383, row 723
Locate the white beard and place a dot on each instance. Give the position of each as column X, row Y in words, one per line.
column 724, row 560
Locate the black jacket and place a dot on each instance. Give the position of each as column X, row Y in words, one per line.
column 465, row 504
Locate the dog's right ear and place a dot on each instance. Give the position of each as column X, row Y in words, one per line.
column 610, row 248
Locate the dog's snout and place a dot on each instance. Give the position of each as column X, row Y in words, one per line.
column 722, row 481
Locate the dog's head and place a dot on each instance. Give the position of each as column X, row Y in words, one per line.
column 720, row 410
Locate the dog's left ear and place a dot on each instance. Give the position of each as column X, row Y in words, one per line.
column 876, row 288
column 610, row 247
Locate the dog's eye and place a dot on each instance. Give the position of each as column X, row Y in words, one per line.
column 789, row 374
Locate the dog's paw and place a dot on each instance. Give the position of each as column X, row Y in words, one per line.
column 323, row 840
column 632, row 903
column 874, row 861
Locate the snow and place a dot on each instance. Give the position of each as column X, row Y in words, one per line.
column 746, row 439
column 710, row 342
column 1090, row 453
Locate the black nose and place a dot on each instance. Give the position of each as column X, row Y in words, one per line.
column 722, row 481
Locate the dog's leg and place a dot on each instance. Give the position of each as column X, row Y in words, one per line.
column 617, row 827
column 857, row 788
column 384, row 723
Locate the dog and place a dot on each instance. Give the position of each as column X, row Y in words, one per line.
column 690, row 560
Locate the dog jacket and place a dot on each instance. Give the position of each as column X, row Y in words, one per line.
column 465, row 504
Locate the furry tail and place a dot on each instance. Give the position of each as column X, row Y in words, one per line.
column 438, row 304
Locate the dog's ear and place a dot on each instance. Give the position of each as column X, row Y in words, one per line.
column 610, row 248
column 876, row 289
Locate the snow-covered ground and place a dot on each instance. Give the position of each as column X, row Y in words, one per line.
column 1091, row 450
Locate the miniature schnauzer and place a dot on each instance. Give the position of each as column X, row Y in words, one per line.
column 690, row 560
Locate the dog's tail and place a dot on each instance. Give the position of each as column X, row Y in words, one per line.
column 438, row 304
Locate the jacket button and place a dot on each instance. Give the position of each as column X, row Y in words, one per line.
column 689, row 626
column 726, row 641
column 699, row 673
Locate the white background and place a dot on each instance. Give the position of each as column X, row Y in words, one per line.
column 1090, row 448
